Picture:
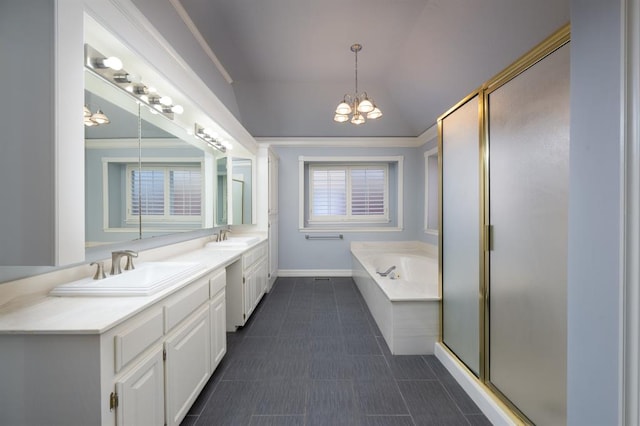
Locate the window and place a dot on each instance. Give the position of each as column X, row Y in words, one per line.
column 431, row 192
column 161, row 193
column 348, row 193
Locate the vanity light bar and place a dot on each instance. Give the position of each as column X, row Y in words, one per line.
column 204, row 135
column 111, row 70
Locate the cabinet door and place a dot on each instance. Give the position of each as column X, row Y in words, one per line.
column 273, row 249
column 141, row 393
column 263, row 277
column 218, row 317
column 249, row 292
column 187, row 364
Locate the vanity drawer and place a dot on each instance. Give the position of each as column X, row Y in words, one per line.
column 217, row 282
column 179, row 306
column 132, row 341
column 254, row 255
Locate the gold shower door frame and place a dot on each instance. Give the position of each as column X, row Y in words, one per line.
column 538, row 53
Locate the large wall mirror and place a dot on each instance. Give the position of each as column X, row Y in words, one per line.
column 147, row 174
column 143, row 178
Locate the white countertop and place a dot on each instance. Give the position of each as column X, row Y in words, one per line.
column 41, row 314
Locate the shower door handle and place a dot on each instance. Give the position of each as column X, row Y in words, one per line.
column 488, row 237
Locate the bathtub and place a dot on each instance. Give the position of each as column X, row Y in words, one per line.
column 405, row 304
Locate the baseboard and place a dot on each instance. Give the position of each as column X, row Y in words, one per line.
column 489, row 405
column 315, row 273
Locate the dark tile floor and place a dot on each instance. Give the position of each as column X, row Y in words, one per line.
column 312, row 355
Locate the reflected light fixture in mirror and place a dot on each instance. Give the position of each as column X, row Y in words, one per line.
column 94, row 119
column 208, row 136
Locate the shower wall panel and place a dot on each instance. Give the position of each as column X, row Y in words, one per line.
column 460, row 249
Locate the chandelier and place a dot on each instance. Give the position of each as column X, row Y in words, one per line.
column 354, row 106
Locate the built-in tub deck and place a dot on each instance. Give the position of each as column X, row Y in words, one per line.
column 406, row 303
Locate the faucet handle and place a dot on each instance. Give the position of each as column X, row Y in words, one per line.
column 99, row 270
column 130, row 255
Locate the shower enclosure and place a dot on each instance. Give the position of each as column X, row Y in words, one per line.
column 503, row 241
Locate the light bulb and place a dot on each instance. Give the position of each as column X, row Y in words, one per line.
column 365, row 106
column 178, row 109
column 113, row 63
column 343, row 108
column 166, row 100
column 340, row 118
column 376, row 113
column 358, row 119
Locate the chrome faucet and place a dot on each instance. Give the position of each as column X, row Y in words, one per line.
column 116, row 267
column 223, row 234
column 99, row 270
column 387, row 272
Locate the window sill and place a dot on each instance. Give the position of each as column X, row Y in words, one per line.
column 353, row 229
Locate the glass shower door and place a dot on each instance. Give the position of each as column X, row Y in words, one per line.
column 528, row 122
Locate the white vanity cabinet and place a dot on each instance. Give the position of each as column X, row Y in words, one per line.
column 140, row 392
column 218, row 317
column 187, row 366
column 267, row 218
column 146, row 370
column 246, row 284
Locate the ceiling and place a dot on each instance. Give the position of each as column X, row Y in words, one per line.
column 290, row 62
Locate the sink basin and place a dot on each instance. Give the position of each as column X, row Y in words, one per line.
column 147, row 279
column 234, row 242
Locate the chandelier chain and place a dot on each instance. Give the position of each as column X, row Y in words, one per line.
column 356, row 51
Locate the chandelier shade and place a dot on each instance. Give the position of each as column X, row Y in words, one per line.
column 355, row 105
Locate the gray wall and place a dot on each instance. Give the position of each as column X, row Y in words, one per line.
column 594, row 214
column 27, row 145
column 162, row 15
column 296, row 253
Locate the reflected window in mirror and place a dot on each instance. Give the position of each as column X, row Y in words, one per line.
column 165, row 193
column 241, row 190
column 221, row 192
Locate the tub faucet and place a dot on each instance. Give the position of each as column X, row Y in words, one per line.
column 116, row 267
column 387, row 272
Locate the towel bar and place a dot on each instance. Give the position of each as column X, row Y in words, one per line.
column 324, row 237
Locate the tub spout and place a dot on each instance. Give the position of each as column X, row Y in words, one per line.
column 385, row 273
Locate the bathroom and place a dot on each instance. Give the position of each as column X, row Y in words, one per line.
column 40, row 225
